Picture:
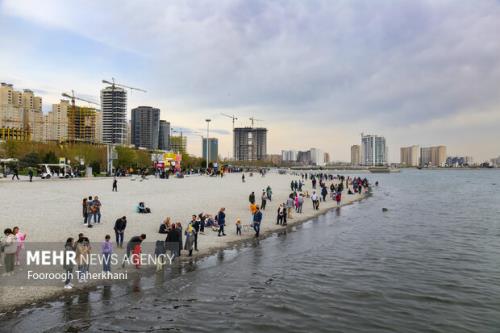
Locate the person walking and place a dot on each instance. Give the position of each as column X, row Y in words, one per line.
column 90, row 212
column 115, row 185
column 300, row 202
column 243, row 178
column 106, row 250
column 15, row 173
column 263, row 200
column 30, row 174
column 9, row 247
column 84, row 210
column 119, row 228
column 257, row 219
column 269, row 192
column 324, row 193
column 338, row 198
column 251, row 198
column 281, row 213
column 221, row 220
column 96, row 209
column 315, row 200
column 69, row 251
column 289, row 206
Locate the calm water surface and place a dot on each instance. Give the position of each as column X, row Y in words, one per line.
column 429, row 264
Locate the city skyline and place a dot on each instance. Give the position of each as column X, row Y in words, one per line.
column 413, row 73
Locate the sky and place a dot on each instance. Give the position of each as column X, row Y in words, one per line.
column 317, row 73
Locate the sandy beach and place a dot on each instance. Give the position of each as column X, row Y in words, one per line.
column 50, row 211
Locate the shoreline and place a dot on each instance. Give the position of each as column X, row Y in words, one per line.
column 53, row 293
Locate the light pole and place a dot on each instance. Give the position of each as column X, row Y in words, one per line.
column 208, row 135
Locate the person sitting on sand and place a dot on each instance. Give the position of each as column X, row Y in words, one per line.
column 142, row 209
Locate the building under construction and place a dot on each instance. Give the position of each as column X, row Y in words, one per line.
column 16, row 134
column 83, row 124
column 250, row 143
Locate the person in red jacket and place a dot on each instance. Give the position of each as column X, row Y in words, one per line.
column 338, row 198
column 136, row 256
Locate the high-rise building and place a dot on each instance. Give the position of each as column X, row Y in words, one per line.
column 317, row 157
column 250, row 143
column 213, row 149
column 56, row 122
column 433, row 156
column 114, row 115
column 373, row 150
column 327, row 158
column 164, row 135
column 289, row 156
column 355, row 155
column 33, row 115
column 145, row 127
column 21, row 113
column 410, row 156
column 178, row 144
column 304, row 157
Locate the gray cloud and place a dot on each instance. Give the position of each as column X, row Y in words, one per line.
column 388, row 63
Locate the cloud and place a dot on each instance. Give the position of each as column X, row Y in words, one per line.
column 362, row 64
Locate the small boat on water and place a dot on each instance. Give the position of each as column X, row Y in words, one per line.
column 383, row 169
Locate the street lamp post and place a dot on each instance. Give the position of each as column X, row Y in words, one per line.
column 208, row 135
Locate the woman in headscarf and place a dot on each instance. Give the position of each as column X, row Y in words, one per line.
column 189, row 243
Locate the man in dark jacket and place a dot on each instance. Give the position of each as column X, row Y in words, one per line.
column 172, row 241
column 221, row 220
column 251, row 198
column 120, row 226
column 257, row 219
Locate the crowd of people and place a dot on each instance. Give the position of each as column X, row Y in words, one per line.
column 184, row 240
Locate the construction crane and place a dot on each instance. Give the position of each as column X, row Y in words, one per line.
column 72, row 97
column 233, row 117
column 114, row 84
column 252, row 119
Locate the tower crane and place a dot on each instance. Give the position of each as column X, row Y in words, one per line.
column 252, row 119
column 114, row 84
column 233, row 117
column 72, row 97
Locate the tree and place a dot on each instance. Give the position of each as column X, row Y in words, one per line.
column 30, row 159
column 50, row 157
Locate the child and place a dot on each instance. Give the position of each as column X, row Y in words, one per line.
column 238, row 227
column 136, row 256
column 107, row 250
column 20, row 238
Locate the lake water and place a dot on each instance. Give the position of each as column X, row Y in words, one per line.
column 431, row 263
